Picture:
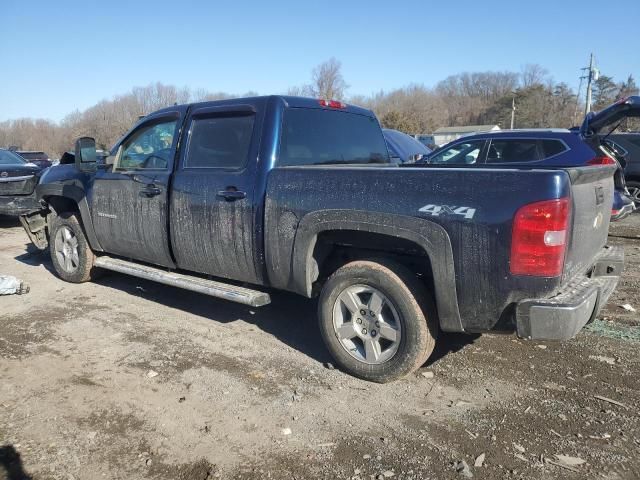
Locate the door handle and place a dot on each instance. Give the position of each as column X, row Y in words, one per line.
column 232, row 194
column 150, row 191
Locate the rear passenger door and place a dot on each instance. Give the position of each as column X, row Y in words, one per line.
column 213, row 209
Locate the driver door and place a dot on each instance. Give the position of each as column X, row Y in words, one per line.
column 130, row 199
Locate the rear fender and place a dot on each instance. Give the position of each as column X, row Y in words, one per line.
column 431, row 237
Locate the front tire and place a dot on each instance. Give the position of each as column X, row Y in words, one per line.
column 377, row 320
column 71, row 254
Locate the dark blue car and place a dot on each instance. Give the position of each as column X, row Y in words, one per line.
column 544, row 148
column 403, row 146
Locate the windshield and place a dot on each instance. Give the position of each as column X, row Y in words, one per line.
column 10, row 158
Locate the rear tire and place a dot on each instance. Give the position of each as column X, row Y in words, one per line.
column 377, row 320
column 71, row 254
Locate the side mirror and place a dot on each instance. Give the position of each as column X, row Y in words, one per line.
column 85, row 153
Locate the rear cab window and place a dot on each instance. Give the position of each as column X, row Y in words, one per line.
column 330, row 137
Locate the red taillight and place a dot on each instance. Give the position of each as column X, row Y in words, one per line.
column 331, row 103
column 539, row 238
column 614, row 212
column 603, row 160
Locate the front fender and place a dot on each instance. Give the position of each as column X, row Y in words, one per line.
column 73, row 190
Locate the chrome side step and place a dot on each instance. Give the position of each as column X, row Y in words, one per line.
column 242, row 295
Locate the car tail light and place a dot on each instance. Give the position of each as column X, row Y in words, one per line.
column 603, row 160
column 539, row 238
column 332, row 103
column 614, row 212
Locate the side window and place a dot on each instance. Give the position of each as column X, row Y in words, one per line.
column 552, row 147
column 219, row 142
column 465, row 153
column 148, row 148
column 513, row 151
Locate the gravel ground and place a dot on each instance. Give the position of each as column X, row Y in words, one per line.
column 123, row 378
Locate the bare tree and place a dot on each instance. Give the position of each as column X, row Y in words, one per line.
column 533, row 74
column 327, row 81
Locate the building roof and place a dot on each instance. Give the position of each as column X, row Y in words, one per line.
column 466, row 129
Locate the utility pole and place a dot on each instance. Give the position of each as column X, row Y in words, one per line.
column 592, row 75
column 513, row 109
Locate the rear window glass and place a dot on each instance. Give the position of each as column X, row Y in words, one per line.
column 34, row 155
column 326, row 137
column 552, row 147
column 513, row 151
column 219, row 142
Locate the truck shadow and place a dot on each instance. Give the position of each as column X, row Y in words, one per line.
column 11, row 463
column 9, row 222
column 290, row 318
column 35, row 257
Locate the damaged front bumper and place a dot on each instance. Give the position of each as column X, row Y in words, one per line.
column 15, row 205
column 562, row 316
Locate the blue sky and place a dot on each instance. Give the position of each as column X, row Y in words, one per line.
column 67, row 55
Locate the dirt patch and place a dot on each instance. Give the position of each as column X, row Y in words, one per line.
column 244, row 393
column 24, row 335
column 198, row 470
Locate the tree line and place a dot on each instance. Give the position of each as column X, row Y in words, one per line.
column 469, row 98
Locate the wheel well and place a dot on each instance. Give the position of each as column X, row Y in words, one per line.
column 61, row 204
column 334, row 249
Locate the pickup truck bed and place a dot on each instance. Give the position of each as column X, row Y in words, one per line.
column 298, row 194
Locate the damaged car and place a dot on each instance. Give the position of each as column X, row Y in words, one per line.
column 18, row 180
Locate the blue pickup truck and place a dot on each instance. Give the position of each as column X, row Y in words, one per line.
column 234, row 198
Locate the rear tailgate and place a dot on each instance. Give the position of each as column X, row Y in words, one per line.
column 592, row 193
column 17, row 181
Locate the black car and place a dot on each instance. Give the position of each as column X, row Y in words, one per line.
column 41, row 159
column 18, row 179
column 627, row 145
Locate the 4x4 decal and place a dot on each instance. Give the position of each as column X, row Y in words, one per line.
column 437, row 210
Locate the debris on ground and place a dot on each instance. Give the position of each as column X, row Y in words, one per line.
column 10, row 285
column 600, row 358
column 569, row 461
column 286, row 431
column 628, row 307
column 463, row 469
column 152, row 373
column 428, row 374
column 614, row 402
column 479, row 461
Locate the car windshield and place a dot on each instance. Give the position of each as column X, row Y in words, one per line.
column 10, row 158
